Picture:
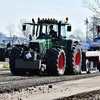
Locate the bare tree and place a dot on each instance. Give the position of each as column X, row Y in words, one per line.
column 93, row 28
column 28, row 29
column 72, row 36
column 79, row 35
column 94, row 6
column 11, row 29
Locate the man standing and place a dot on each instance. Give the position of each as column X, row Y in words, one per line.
column 9, row 45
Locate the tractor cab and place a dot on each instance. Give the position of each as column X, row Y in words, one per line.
column 42, row 29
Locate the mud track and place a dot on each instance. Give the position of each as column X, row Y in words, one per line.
column 10, row 83
column 93, row 95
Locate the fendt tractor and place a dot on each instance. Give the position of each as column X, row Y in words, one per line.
column 52, row 49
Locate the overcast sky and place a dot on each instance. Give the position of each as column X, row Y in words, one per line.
column 11, row 11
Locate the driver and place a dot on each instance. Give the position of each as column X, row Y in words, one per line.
column 52, row 32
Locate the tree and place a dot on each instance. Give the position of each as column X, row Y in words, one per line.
column 95, row 20
column 11, row 29
column 94, row 7
column 92, row 28
column 28, row 29
column 79, row 35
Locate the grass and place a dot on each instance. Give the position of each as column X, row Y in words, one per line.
column 5, row 64
column 4, row 68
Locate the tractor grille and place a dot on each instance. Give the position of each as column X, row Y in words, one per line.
column 35, row 47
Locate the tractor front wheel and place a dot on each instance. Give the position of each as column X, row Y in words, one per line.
column 56, row 61
column 16, row 53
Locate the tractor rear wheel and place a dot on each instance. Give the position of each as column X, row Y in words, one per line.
column 56, row 61
column 16, row 53
column 74, row 60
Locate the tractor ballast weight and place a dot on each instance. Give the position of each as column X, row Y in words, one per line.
column 60, row 54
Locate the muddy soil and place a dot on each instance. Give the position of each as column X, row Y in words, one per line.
column 10, row 83
column 93, row 95
column 66, row 90
column 44, row 87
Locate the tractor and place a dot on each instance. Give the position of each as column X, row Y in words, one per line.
column 59, row 54
column 4, row 51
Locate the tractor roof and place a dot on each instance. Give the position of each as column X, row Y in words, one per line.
column 47, row 21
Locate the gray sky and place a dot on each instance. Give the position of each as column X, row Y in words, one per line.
column 14, row 10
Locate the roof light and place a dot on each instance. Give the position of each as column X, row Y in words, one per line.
column 66, row 18
column 38, row 18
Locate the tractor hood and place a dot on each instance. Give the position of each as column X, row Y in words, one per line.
column 41, row 45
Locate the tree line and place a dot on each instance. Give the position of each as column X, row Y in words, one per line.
column 92, row 25
column 11, row 29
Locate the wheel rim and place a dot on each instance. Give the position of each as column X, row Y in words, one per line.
column 61, row 62
column 87, row 67
column 77, row 59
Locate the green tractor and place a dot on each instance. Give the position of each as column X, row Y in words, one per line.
column 59, row 54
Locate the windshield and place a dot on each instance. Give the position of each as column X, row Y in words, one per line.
column 64, row 30
column 45, row 29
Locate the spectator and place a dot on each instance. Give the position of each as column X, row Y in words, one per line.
column 30, row 37
column 9, row 45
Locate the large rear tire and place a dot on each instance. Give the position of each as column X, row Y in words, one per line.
column 56, row 61
column 98, row 67
column 16, row 53
column 74, row 60
column 2, row 54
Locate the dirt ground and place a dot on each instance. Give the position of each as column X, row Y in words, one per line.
column 66, row 90
column 43, row 87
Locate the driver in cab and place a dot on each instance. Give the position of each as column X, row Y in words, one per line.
column 52, row 32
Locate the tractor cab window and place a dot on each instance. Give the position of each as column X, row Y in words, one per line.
column 44, row 29
column 64, row 30
column 53, row 31
column 41, row 30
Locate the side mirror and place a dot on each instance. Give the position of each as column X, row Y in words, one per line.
column 69, row 28
column 24, row 27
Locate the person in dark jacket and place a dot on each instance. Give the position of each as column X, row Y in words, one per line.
column 30, row 37
column 52, row 32
column 9, row 45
